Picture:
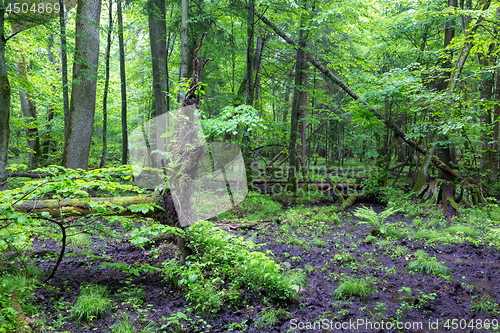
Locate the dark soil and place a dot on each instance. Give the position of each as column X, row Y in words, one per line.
column 478, row 266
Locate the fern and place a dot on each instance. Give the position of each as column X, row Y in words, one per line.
column 371, row 217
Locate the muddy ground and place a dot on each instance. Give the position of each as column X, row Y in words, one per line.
column 475, row 272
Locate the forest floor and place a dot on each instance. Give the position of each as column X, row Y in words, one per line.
column 327, row 247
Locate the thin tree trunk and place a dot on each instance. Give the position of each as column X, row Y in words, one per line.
column 183, row 70
column 123, row 82
column 4, row 100
column 464, row 53
column 106, row 90
column 28, row 110
column 303, row 114
column 64, row 62
column 250, row 53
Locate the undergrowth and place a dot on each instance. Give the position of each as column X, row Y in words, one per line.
column 222, row 265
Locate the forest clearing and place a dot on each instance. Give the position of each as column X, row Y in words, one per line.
column 249, row 166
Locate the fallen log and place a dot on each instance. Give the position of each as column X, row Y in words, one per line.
column 388, row 122
column 85, row 206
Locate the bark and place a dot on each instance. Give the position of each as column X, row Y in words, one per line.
column 123, row 84
column 64, row 63
column 157, row 34
column 325, row 71
column 5, row 90
column 106, row 90
column 83, row 97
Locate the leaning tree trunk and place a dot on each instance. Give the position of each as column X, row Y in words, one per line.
column 389, row 123
column 83, row 95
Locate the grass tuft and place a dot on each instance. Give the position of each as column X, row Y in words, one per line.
column 91, row 303
column 351, row 286
column 427, row 265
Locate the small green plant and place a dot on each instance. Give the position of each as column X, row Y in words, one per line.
column 79, row 240
column 399, row 251
column 91, row 303
column 486, row 304
column 177, row 322
column 269, row 318
column 427, row 265
column 124, row 325
column 351, row 286
column 369, row 216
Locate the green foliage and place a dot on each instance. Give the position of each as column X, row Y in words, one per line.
column 7, row 314
column 124, row 325
column 427, row 265
column 221, row 259
column 78, row 240
column 92, row 303
column 255, row 207
column 352, row 286
column 270, row 317
column 486, row 304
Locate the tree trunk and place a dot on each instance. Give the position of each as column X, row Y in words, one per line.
column 493, row 176
column 303, row 114
column 250, row 53
column 4, row 100
column 297, row 94
column 157, row 34
column 64, row 63
column 106, row 90
column 444, row 150
column 83, row 96
column 28, row 110
column 123, row 82
column 183, row 69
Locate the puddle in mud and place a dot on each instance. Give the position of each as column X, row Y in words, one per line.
column 486, row 286
column 469, row 261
